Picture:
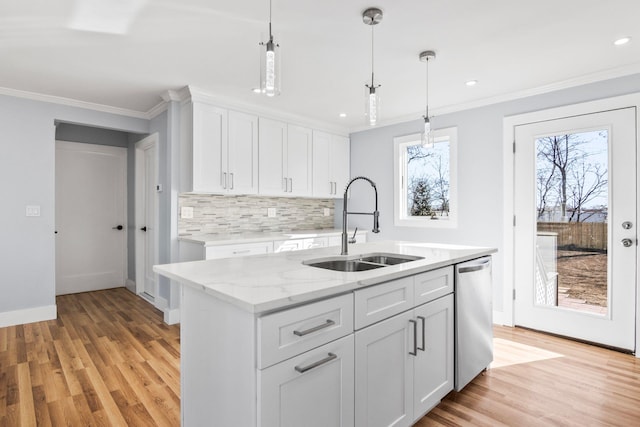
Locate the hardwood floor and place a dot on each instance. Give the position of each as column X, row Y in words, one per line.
column 110, row 360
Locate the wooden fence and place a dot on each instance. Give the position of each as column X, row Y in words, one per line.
column 578, row 235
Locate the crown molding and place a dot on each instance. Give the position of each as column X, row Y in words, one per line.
column 199, row 95
column 540, row 90
column 69, row 102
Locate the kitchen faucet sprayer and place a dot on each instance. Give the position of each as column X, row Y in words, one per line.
column 345, row 213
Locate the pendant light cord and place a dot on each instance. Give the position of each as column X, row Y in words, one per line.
column 427, row 92
column 372, row 52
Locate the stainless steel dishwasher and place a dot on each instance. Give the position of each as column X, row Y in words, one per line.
column 473, row 320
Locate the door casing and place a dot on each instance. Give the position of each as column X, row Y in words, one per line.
column 509, row 124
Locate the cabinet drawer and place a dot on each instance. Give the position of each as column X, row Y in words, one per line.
column 379, row 302
column 313, row 389
column 229, row 251
column 290, row 332
column 433, row 284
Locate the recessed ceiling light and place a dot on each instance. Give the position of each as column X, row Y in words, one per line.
column 621, row 41
column 471, row 82
column 343, row 115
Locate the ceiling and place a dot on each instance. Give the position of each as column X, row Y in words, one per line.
column 513, row 48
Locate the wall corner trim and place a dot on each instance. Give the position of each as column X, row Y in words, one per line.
column 28, row 315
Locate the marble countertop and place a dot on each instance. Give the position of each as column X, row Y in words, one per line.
column 228, row 239
column 262, row 283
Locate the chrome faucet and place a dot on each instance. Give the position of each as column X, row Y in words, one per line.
column 345, row 212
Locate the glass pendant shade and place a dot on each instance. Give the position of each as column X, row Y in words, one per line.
column 427, row 134
column 270, row 76
column 372, row 105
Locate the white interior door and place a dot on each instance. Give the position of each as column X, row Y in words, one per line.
column 146, row 216
column 576, row 222
column 91, row 223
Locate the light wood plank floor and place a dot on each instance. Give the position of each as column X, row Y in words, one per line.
column 110, row 360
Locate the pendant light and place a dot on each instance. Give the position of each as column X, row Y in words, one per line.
column 427, row 134
column 372, row 16
column 270, row 64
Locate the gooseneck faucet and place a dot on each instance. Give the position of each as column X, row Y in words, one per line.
column 345, row 213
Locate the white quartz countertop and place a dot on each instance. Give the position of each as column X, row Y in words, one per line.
column 227, row 239
column 261, row 283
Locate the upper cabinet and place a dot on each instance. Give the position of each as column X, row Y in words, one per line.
column 219, row 150
column 285, row 158
column 330, row 164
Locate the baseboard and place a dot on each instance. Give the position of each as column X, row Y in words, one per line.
column 498, row 318
column 28, row 315
column 130, row 285
column 161, row 303
column 171, row 316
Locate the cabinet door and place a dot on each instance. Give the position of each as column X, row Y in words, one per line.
column 299, row 160
column 242, row 153
column 339, row 163
column 433, row 366
column 384, row 372
column 323, row 186
column 272, row 143
column 314, row 389
column 209, row 136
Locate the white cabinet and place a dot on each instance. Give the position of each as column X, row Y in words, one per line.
column 314, row 389
column 330, row 164
column 285, row 159
column 219, row 150
column 299, row 244
column 192, row 251
column 404, row 363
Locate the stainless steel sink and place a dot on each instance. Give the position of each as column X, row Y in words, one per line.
column 362, row 262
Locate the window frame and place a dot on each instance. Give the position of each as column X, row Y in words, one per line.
column 400, row 218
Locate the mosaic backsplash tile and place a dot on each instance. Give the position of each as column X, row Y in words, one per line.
column 217, row 214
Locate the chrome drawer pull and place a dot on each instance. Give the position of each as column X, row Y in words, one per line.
column 329, row 358
column 315, row 328
column 415, row 338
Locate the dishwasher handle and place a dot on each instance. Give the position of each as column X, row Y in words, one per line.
column 486, row 264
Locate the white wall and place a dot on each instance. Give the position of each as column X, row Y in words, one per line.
column 480, row 170
column 27, row 245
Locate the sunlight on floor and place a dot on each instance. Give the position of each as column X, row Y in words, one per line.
column 506, row 353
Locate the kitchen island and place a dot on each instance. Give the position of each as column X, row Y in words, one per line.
column 267, row 340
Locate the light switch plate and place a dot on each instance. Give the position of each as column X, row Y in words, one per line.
column 271, row 212
column 33, row 210
column 186, row 212
column 327, row 211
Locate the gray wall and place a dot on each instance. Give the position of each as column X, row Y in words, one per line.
column 27, row 245
column 480, row 169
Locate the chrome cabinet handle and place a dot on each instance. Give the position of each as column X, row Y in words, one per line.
column 328, row 323
column 415, row 338
column 478, row 267
column 231, row 179
column 242, row 251
column 290, row 185
column 224, row 180
column 422, row 320
column 284, row 184
column 627, row 243
column 329, row 358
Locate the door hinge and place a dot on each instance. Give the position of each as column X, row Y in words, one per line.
column 514, row 220
column 514, row 294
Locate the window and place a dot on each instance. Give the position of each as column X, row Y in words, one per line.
column 425, row 181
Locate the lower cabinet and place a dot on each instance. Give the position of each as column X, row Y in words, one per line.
column 404, row 365
column 314, row 389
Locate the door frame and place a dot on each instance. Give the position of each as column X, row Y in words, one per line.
column 508, row 159
column 140, row 171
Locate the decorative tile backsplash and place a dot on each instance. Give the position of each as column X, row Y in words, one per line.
column 216, row 214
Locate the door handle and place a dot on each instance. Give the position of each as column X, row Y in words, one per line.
column 329, row 358
column 118, row 227
column 627, row 243
column 144, row 229
column 415, row 338
column 422, row 321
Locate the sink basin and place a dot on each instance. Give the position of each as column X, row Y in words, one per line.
column 345, row 265
column 362, row 262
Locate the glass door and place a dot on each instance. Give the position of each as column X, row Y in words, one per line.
column 575, row 227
